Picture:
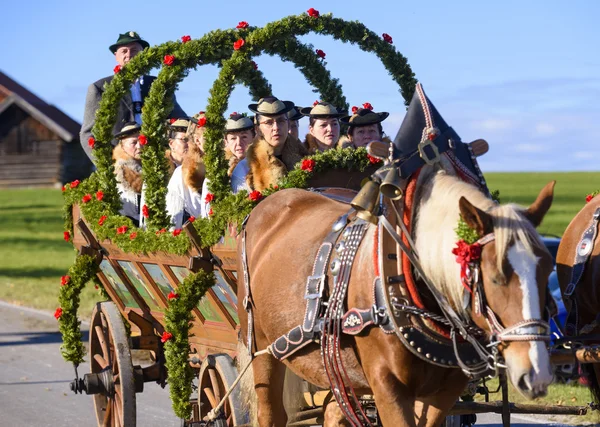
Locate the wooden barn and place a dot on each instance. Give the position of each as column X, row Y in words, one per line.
column 39, row 144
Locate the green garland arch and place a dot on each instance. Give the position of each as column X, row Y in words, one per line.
column 216, row 47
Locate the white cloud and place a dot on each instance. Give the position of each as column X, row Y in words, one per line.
column 529, row 148
column 494, row 124
column 545, row 129
column 585, row 155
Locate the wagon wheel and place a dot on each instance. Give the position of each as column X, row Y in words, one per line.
column 110, row 357
column 217, row 374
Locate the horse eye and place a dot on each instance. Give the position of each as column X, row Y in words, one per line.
column 497, row 280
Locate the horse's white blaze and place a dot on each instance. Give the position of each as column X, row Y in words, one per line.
column 524, row 264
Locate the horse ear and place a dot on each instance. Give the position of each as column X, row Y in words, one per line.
column 535, row 213
column 475, row 218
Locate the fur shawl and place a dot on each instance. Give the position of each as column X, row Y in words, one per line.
column 265, row 168
column 172, row 164
column 128, row 170
column 193, row 169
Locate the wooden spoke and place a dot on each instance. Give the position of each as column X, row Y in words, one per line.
column 107, row 415
column 210, row 396
column 100, row 360
column 118, row 412
column 216, row 386
column 102, row 341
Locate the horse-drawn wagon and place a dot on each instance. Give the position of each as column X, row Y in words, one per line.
column 184, row 295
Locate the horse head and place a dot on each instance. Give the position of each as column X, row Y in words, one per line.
column 510, row 298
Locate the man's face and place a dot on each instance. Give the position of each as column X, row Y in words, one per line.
column 274, row 129
column 362, row 135
column 131, row 145
column 237, row 142
column 126, row 52
column 179, row 146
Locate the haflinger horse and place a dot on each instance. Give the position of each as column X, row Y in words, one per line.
column 578, row 248
column 277, row 253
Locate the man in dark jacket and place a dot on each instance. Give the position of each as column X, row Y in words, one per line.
column 130, row 108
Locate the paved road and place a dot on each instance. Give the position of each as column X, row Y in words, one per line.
column 34, row 380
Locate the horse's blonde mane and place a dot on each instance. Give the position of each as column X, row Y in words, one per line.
column 437, row 215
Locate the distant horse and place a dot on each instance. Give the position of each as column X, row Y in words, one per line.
column 587, row 291
column 283, row 235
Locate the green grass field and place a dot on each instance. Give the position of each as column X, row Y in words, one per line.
column 33, row 254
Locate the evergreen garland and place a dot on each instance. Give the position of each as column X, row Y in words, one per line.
column 81, row 272
column 178, row 320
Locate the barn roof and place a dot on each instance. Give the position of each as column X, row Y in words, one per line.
column 53, row 118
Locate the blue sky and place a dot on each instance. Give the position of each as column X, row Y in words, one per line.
column 524, row 75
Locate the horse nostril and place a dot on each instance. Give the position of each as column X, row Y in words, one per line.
column 525, row 382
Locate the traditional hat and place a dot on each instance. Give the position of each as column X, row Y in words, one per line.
column 182, row 123
column 126, row 38
column 271, row 106
column 128, row 129
column 321, row 110
column 295, row 114
column 364, row 117
column 238, row 122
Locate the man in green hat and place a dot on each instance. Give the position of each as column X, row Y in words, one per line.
column 127, row 46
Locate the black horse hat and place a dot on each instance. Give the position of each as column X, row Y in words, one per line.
column 414, row 124
column 423, row 133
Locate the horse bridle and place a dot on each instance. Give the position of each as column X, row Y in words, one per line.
column 520, row 331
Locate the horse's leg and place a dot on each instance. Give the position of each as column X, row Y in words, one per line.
column 333, row 416
column 395, row 403
column 430, row 411
column 269, row 375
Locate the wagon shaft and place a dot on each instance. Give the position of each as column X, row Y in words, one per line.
column 589, row 354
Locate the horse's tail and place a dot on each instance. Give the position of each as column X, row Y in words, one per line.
column 249, row 400
column 592, row 377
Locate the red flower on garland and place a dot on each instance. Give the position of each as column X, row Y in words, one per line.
column 308, row 165
column 143, row 140
column 255, row 196
column 132, row 236
column 255, row 65
column 589, row 198
column 242, row 24
column 320, row 54
column 67, row 236
column 75, row 183
column 91, row 142
column 210, row 212
column 316, row 103
column 101, row 220
column 64, row 280
column 166, row 336
column 185, row 39
column 313, row 12
column 169, row 59
column 99, row 195
column 58, row 313
column 86, row 198
column 192, row 219
column 172, row 295
column 117, row 69
column 387, row 38
column 238, row 44
column 202, row 122
column 177, row 232
column 64, row 188
column 209, row 197
column 161, row 231
column 373, row 160
column 368, row 106
column 354, row 109
column 172, row 121
column 145, row 211
column 122, row 229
